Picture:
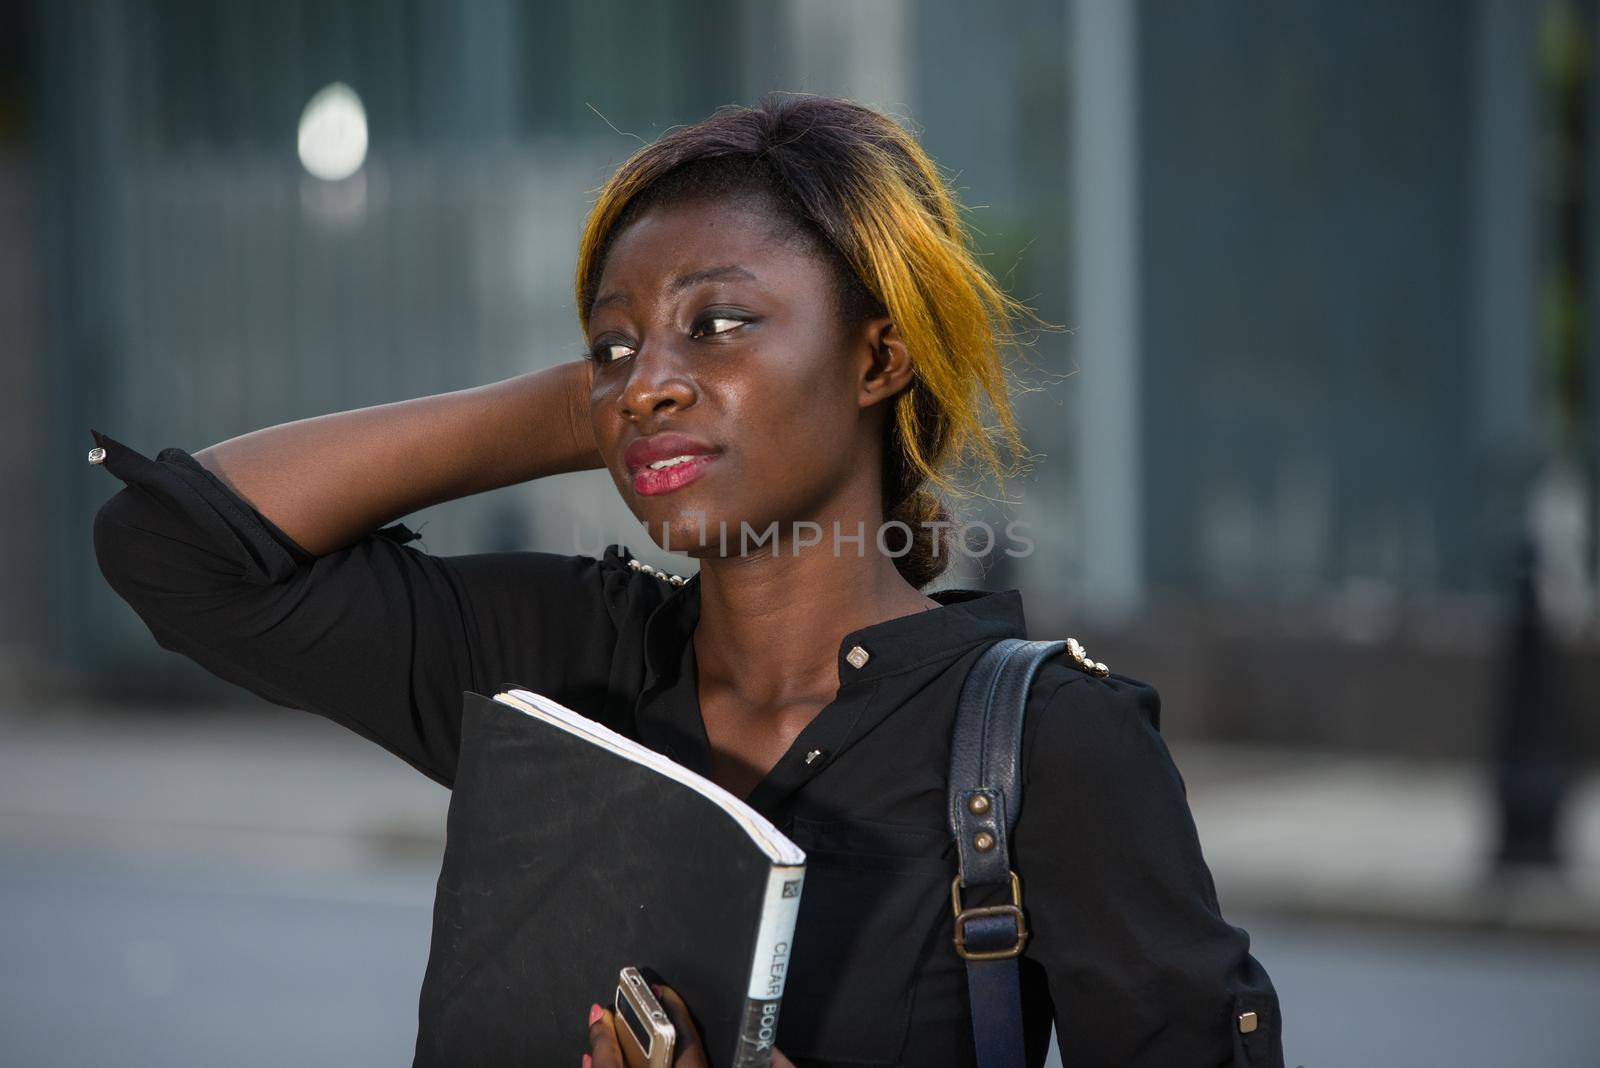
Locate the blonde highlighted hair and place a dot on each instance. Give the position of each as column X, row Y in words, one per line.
column 850, row 180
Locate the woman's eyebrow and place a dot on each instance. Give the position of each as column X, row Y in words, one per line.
column 683, row 281
column 710, row 274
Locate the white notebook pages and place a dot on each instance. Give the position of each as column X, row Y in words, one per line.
column 776, row 844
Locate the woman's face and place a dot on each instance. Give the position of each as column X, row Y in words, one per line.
column 706, row 325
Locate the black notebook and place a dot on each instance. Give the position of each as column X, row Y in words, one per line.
column 573, row 851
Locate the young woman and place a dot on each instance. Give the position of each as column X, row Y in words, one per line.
column 788, row 331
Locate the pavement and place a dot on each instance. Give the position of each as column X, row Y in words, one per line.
column 263, row 787
column 1377, row 838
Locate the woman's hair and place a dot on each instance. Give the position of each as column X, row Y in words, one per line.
column 859, row 188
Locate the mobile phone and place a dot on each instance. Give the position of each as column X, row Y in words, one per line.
column 644, row 1031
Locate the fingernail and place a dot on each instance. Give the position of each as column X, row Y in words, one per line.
column 585, row 1060
column 594, row 1014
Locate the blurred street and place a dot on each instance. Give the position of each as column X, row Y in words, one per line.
column 255, row 889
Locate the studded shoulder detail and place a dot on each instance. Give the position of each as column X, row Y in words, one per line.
column 1081, row 659
column 664, row 576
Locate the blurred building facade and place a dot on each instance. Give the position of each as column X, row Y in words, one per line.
column 1299, row 248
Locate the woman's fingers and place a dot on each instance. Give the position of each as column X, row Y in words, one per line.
column 606, row 1052
column 603, row 1048
column 688, row 1052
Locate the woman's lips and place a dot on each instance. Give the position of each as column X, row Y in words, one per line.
column 648, row 481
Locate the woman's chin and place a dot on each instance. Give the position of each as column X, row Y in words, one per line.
column 696, row 533
column 686, row 532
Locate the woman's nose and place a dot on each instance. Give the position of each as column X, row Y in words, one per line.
column 657, row 381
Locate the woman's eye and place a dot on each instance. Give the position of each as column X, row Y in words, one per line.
column 713, row 320
column 601, row 353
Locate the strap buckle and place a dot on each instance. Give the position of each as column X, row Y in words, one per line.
column 962, row 915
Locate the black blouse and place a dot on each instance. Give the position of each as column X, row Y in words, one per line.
column 1129, row 954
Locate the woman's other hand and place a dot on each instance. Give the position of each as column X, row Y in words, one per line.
column 606, row 1052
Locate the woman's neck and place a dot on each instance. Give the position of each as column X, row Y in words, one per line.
column 770, row 625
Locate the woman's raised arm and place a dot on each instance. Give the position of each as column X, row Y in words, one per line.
column 265, row 564
column 331, row 479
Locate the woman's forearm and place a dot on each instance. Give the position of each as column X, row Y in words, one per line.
column 329, row 480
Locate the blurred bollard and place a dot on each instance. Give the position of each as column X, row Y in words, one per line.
column 1532, row 768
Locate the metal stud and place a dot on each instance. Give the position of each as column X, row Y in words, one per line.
column 983, row 841
column 97, row 455
column 1247, row 1022
column 857, row 656
column 1080, row 657
column 978, row 804
column 664, row 576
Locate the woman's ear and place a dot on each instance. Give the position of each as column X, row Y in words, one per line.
column 885, row 362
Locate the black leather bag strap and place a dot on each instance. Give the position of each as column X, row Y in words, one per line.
column 985, row 797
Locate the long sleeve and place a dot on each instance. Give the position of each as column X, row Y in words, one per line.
column 380, row 636
column 1142, row 969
